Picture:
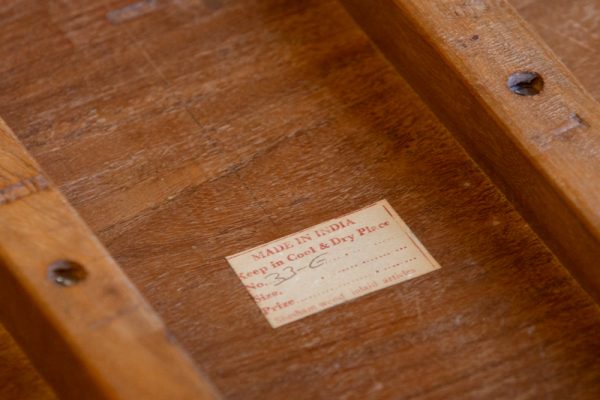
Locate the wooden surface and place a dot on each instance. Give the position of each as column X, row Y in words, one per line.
column 84, row 325
column 542, row 150
column 572, row 29
column 185, row 132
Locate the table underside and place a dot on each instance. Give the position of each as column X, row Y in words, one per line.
column 184, row 132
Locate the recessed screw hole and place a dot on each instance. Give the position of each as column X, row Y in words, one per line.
column 525, row 83
column 66, row 273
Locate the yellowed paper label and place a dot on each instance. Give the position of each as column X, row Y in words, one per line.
column 330, row 263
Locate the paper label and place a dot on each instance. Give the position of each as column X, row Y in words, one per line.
column 331, row 263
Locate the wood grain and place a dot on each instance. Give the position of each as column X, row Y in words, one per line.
column 543, row 151
column 18, row 378
column 96, row 338
column 195, row 130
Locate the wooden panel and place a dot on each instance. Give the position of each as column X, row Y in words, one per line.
column 190, row 131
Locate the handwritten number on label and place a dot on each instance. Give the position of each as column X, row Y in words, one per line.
column 280, row 277
column 317, row 261
column 277, row 278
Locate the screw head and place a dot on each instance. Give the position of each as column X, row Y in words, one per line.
column 66, row 272
column 525, row 83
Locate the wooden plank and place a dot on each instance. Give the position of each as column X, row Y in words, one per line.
column 200, row 129
column 68, row 304
column 542, row 150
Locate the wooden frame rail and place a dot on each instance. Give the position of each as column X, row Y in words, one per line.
column 68, row 304
column 512, row 104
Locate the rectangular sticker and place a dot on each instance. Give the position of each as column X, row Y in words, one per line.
column 331, row 263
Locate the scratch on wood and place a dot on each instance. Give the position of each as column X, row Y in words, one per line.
column 575, row 121
column 564, row 132
column 127, row 310
column 23, row 189
column 131, row 11
column 464, row 8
